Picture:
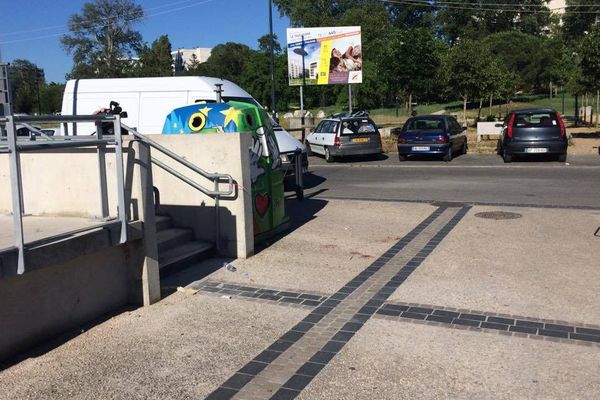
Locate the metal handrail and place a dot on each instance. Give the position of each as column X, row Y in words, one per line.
column 14, row 145
column 214, row 177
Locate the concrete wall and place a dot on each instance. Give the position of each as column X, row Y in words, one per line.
column 65, row 182
column 67, row 293
column 223, row 153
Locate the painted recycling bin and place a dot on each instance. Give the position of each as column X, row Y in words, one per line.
column 265, row 164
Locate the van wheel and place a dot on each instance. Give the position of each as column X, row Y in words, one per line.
column 401, row 157
column 563, row 157
column 448, row 155
column 308, row 150
column 507, row 157
column 328, row 156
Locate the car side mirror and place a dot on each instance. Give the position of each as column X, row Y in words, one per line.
column 463, row 128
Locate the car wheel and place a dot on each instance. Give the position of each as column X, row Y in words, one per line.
column 507, row 157
column 448, row 155
column 562, row 157
column 328, row 156
column 401, row 157
column 308, row 150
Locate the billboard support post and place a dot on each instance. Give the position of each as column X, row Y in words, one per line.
column 272, row 51
column 350, row 98
column 302, row 89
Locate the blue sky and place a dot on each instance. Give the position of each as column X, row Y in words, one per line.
column 32, row 29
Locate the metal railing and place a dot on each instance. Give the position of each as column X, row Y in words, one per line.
column 14, row 146
column 37, row 140
column 215, row 178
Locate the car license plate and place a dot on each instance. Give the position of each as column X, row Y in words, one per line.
column 420, row 148
column 536, row 150
column 360, row 140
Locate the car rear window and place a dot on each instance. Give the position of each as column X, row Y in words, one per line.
column 358, row 126
column 536, row 119
column 425, row 124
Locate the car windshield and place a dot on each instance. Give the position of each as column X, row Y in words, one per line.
column 425, row 125
column 358, row 126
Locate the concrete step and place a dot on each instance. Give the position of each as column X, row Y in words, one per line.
column 163, row 222
column 183, row 256
column 173, row 237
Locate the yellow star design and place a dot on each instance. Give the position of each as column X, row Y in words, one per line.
column 230, row 115
column 205, row 110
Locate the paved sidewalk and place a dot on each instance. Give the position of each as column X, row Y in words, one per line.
column 360, row 301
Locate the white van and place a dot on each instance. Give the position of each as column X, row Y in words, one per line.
column 148, row 101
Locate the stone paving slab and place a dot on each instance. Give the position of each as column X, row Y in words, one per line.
column 543, row 265
column 180, row 348
column 343, row 239
column 390, row 360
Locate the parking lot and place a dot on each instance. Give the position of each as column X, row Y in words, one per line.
column 421, row 279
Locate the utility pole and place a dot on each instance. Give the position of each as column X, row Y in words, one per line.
column 272, row 45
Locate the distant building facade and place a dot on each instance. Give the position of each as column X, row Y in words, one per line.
column 557, row 6
column 183, row 58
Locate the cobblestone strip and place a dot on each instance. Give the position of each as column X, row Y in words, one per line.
column 287, row 297
column 516, row 325
column 288, row 365
column 511, row 324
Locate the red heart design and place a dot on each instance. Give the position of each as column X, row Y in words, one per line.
column 261, row 202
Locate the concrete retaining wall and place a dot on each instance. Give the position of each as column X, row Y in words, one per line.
column 64, row 295
column 65, row 182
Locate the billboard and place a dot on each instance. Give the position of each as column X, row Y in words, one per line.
column 327, row 55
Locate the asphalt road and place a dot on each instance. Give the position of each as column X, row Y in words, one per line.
column 473, row 178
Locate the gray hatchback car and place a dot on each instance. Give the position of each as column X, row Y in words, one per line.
column 533, row 131
column 343, row 135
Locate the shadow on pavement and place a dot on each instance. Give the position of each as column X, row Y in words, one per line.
column 361, row 159
column 310, row 181
column 61, row 339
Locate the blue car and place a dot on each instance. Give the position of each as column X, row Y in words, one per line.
column 432, row 134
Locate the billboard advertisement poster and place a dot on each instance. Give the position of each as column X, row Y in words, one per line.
column 327, row 55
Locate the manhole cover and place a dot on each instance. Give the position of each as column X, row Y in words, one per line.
column 498, row 215
column 447, row 204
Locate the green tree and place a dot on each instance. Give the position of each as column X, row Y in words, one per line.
column 265, row 42
column 26, row 80
column 156, row 60
column 467, row 68
column 580, row 16
column 535, row 60
column 51, row 97
column 226, row 61
column 102, row 39
column 412, row 62
column 475, row 19
column 589, row 51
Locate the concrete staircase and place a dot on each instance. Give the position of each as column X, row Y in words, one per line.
column 177, row 247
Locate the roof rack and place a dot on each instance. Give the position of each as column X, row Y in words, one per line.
column 347, row 114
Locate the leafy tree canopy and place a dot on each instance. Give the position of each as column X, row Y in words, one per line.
column 102, row 39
